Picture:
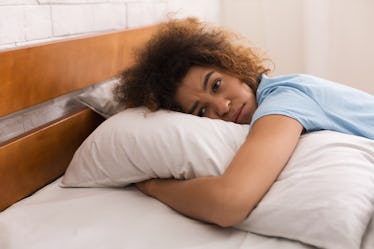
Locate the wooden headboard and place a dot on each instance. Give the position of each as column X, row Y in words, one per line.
column 35, row 74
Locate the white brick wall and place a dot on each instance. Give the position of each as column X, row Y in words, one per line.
column 12, row 24
column 24, row 22
column 208, row 10
column 16, row 2
column 145, row 13
column 37, row 22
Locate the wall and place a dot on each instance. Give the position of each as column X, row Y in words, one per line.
column 328, row 38
column 272, row 25
column 24, row 22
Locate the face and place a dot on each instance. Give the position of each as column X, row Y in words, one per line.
column 207, row 92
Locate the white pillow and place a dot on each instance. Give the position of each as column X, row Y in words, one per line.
column 324, row 196
column 100, row 98
column 136, row 145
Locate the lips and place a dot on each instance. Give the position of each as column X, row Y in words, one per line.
column 238, row 114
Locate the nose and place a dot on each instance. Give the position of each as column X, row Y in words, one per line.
column 221, row 106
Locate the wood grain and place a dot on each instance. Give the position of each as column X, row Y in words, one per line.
column 32, row 75
column 37, row 158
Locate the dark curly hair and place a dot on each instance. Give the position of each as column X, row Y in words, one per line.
column 166, row 58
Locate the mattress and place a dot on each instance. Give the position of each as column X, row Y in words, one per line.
column 111, row 218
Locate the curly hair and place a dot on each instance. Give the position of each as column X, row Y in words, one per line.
column 166, row 58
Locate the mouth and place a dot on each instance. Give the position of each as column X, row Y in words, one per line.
column 238, row 114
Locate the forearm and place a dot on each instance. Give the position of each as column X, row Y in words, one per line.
column 204, row 198
column 228, row 199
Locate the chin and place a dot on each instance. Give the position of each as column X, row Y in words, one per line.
column 246, row 120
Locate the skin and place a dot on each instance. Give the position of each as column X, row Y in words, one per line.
column 211, row 93
column 228, row 199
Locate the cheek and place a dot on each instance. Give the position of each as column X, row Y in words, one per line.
column 250, row 97
column 180, row 98
column 184, row 99
column 248, row 93
column 253, row 101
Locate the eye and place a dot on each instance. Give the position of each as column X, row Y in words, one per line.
column 216, row 84
column 202, row 112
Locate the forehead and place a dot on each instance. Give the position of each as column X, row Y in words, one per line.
column 191, row 86
column 195, row 77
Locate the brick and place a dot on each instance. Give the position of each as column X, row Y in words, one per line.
column 11, row 24
column 17, row 2
column 7, row 46
column 38, row 22
column 126, row 1
column 72, row 19
column 109, row 16
column 70, row 1
column 145, row 13
column 46, row 40
column 207, row 10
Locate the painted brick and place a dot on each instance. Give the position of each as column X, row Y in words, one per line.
column 72, row 19
column 46, row 40
column 125, row 1
column 207, row 10
column 11, row 24
column 7, row 46
column 70, row 1
column 109, row 16
column 145, row 13
column 24, row 22
column 38, row 22
column 17, row 2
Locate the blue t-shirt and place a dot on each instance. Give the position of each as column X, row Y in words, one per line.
column 318, row 104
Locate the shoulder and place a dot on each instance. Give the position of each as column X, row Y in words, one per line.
column 279, row 84
column 297, row 84
column 292, row 95
column 284, row 80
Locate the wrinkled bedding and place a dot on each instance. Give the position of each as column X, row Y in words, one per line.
column 111, row 218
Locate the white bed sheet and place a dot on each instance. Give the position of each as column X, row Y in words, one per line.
column 368, row 240
column 107, row 218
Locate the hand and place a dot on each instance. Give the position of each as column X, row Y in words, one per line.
column 145, row 186
column 227, row 199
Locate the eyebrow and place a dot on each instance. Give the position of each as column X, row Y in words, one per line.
column 205, row 85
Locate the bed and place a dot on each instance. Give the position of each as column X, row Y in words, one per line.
column 323, row 199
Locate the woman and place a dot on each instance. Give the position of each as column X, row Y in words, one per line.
column 193, row 68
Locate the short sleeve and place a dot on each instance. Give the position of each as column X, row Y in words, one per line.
column 293, row 103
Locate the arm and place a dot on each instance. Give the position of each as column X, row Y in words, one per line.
column 228, row 199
